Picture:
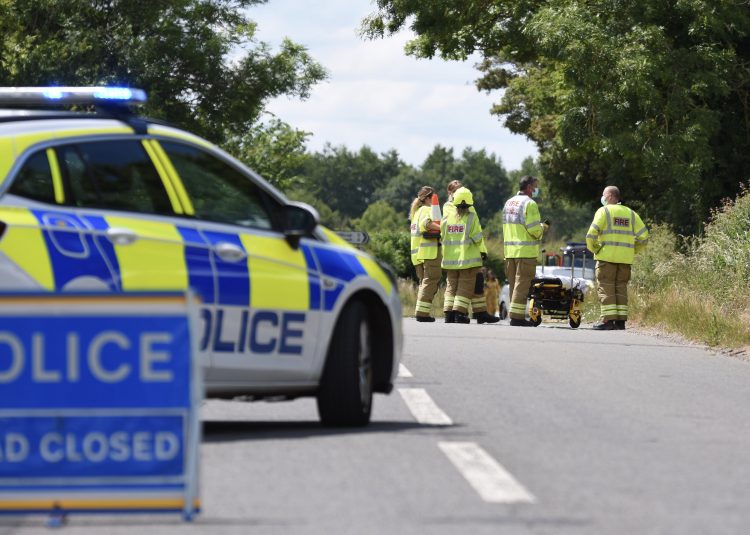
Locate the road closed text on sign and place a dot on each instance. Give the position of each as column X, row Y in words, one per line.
column 98, row 403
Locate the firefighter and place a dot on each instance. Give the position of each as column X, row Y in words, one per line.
column 461, row 234
column 616, row 234
column 425, row 252
column 522, row 234
column 478, row 300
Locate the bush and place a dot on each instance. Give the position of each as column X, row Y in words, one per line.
column 660, row 263
column 697, row 286
column 393, row 248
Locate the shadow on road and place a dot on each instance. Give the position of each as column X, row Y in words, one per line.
column 227, row 431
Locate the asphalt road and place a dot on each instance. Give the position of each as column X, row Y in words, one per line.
column 498, row 430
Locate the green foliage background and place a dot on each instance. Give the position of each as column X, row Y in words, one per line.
column 199, row 60
column 697, row 286
column 651, row 96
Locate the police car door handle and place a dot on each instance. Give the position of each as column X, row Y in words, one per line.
column 121, row 236
column 229, row 252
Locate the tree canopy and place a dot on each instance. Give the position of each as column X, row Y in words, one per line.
column 198, row 60
column 348, row 181
column 651, row 96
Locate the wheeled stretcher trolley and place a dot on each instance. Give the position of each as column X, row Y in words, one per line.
column 550, row 297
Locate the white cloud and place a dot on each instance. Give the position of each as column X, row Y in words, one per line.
column 378, row 96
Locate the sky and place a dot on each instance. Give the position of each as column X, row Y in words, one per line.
column 378, row 96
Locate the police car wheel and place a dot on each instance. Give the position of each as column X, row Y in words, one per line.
column 345, row 392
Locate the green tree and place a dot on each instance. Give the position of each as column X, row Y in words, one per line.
column 274, row 150
column 328, row 217
column 199, row 60
column 482, row 173
column 651, row 96
column 485, row 176
column 349, row 181
column 528, row 167
column 439, row 167
column 381, row 217
column 402, row 188
column 393, row 248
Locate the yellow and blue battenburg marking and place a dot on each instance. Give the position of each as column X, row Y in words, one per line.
column 72, row 253
column 233, row 277
column 198, row 261
column 339, row 265
column 314, row 282
column 66, row 247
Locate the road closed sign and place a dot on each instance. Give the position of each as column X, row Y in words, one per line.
column 99, row 399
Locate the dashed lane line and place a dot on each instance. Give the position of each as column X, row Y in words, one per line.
column 403, row 371
column 492, row 482
column 424, row 410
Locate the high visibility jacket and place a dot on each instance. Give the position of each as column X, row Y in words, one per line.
column 450, row 208
column 422, row 248
column 462, row 239
column 616, row 234
column 522, row 227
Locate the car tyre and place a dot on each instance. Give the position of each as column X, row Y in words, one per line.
column 345, row 392
column 503, row 311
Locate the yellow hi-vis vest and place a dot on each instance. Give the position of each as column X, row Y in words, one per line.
column 450, row 208
column 422, row 248
column 616, row 234
column 463, row 241
column 522, row 227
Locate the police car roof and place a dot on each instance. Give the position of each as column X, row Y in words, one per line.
column 67, row 96
column 43, row 103
column 15, row 115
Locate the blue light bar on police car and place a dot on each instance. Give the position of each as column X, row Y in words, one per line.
column 41, row 96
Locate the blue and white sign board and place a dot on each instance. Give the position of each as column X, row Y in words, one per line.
column 99, row 400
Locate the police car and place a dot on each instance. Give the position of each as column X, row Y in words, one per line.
column 109, row 201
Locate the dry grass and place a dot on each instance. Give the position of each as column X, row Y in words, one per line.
column 696, row 317
column 407, row 289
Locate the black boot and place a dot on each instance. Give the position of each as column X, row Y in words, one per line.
column 608, row 325
column 520, row 323
column 484, row 317
column 462, row 318
column 426, row 319
column 619, row 325
column 450, row 316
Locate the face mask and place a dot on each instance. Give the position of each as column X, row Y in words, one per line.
column 604, row 200
column 535, row 193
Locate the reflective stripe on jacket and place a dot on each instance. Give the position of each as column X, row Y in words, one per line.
column 615, row 234
column 422, row 248
column 522, row 227
column 463, row 241
column 450, row 208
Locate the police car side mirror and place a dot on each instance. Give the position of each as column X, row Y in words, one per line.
column 298, row 220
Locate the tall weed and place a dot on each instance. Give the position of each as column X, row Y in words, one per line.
column 699, row 286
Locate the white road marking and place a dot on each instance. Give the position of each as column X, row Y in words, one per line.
column 425, row 410
column 403, row 371
column 492, row 482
